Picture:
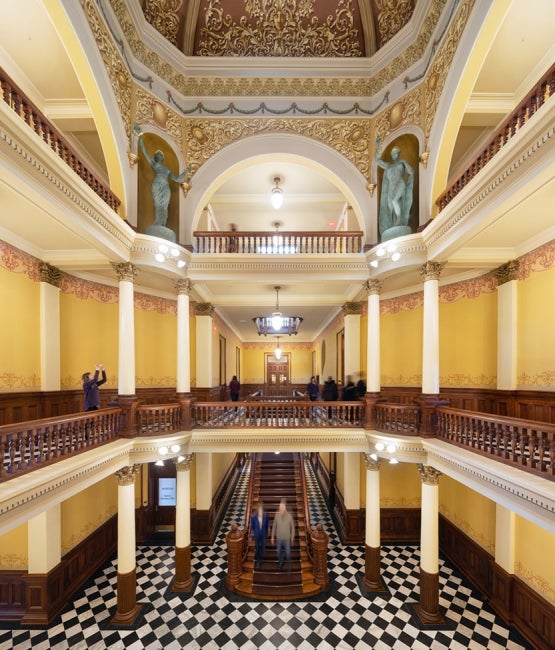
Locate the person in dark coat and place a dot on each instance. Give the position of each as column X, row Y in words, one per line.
column 361, row 388
column 350, row 391
column 234, row 388
column 312, row 389
column 330, row 392
column 260, row 527
column 90, row 388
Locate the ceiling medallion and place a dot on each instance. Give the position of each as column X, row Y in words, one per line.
column 277, row 323
column 282, row 28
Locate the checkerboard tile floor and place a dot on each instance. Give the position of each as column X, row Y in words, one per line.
column 209, row 620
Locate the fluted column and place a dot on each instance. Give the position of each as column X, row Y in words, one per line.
column 352, row 312
column 183, row 580
column 372, row 573
column 127, row 607
column 373, row 379
column 183, row 288
column 126, row 273
column 428, row 607
column 204, row 344
column 507, row 307
column 430, row 344
column 50, row 281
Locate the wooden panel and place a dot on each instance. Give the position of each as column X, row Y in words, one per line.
column 12, row 595
column 399, row 525
column 533, row 616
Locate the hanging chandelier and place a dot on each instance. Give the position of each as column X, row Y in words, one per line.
column 276, row 197
column 277, row 323
column 277, row 351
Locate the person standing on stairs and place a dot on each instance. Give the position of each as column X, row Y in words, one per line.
column 260, row 527
column 283, row 531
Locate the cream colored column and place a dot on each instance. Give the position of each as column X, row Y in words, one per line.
column 203, row 473
column 505, row 538
column 44, row 540
column 507, row 308
column 127, row 608
column 50, row 281
column 428, row 608
column 204, row 343
column 183, row 579
column 430, row 344
column 373, row 378
column 183, row 288
column 352, row 312
column 351, row 479
column 372, row 573
column 126, row 273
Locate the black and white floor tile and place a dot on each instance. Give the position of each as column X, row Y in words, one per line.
column 210, row 620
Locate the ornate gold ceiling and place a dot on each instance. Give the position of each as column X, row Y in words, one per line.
column 289, row 28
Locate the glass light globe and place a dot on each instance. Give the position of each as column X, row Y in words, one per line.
column 159, row 258
column 277, row 321
column 163, row 451
column 379, row 446
column 163, row 248
column 374, row 264
column 393, row 461
column 380, row 252
column 276, row 198
column 174, row 252
column 277, row 353
column 391, row 449
column 181, row 264
column 175, row 449
column 396, row 256
column 391, row 248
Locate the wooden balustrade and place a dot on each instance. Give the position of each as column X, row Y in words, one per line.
column 18, row 101
column 279, row 243
column 540, row 93
column 29, row 445
column 400, row 419
column 280, row 415
column 158, row 418
column 525, row 444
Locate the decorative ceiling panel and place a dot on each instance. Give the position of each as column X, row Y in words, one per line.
column 390, row 16
column 167, row 17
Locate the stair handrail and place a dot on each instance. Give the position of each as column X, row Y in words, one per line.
column 248, row 509
column 306, row 510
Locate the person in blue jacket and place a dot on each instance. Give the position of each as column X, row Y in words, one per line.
column 260, row 528
column 90, row 388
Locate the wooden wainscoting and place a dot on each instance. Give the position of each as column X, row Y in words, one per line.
column 37, row 599
column 515, row 602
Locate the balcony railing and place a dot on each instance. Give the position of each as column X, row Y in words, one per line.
column 525, row 444
column 18, row 101
column 542, row 91
column 279, row 243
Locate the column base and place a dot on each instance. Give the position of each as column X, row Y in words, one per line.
column 427, row 609
column 127, row 607
column 372, row 574
column 183, row 580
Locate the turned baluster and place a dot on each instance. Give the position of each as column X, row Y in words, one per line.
column 3, row 456
column 531, row 460
column 31, row 449
column 541, row 446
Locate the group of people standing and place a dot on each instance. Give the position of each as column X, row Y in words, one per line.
column 282, row 534
column 330, row 392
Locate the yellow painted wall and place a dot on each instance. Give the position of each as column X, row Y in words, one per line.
column 536, row 334
column 89, row 335
column 13, row 549
column 86, row 511
column 399, row 485
column 220, row 465
column 155, row 348
column 534, row 549
column 20, row 338
column 473, row 513
column 401, row 348
column 468, row 341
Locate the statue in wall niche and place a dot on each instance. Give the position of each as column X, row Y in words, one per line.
column 396, row 194
column 160, row 187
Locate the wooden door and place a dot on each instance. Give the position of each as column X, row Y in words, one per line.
column 277, row 373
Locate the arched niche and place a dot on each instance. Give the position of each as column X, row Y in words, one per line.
column 279, row 147
column 409, row 147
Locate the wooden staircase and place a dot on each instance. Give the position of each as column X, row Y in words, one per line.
column 276, row 477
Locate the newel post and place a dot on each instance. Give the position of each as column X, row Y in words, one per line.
column 128, row 422
column 186, row 403
column 428, row 415
column 320, row 540
column 234, row 542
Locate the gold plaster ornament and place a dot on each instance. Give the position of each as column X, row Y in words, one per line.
column 423, row 158
column 506, row 272
column 163, row 15
column 148, row 110
column 125, row 271
column 279, row 28
column 132, row 158
column 407, row 111
column 392, row 16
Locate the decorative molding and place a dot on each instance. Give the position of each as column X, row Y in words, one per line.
column 146, row 302
column 351, row 138
column 391, row 17
column 50, row 274
column 472, row 288
column 406, row 111
column 163, row 15
column 402, row 380
column 183, row 286
column 289, row 29
column 408, row 302
column 537, row 582
column 468, row 529
column 372, row 465
column 149, row 110
column 9, row 381
column 184, row 465
column 400, row 502
column 125, row 271
column 169, row 381
column 506, row 272
column 85, row 290
column 127, row 475
column 352, row 308
column 270, row 344
column 543, row 379
column 431, row 270
column 459, row 379
column 204, row 309
column 539, row 259
column 373, row 287
column 428, row 475
column 14, row 562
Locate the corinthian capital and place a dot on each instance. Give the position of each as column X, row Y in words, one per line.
column 183, row 286
column 373, row 287
column 50, row 274
column 372, row 464
column 431, row 270
column 506, row 272
column 126, row 475
column 352, row 308
column 428, row 475
column 125, row 270
column 185, row 464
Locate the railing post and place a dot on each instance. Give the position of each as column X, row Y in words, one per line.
column 128, row 422
column 370, row 400
column 320, row 540
column 234, row 542
column 428, row 416
column 186, row 402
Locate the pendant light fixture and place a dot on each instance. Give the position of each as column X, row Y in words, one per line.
column 276, row 197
